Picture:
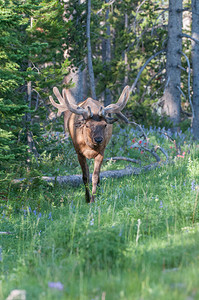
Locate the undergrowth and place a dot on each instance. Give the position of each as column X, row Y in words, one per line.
column 139, row 240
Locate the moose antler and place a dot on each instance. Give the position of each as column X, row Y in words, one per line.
column 62, row 106
column 66, row 103
column 75, row 108
column 121, row 103
column 116, row 108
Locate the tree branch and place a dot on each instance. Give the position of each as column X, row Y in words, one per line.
column 143, row 67
column 189, row 75
column 108, row 3
column 123, row 158
column 189, row 37
column 149, row 82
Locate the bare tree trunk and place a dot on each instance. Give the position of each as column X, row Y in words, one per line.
column 195, row 67
column 171, row 97
column 89, row 55
column 29, row 135
column 125, row 54
column 28, row 114
column 107, row 54
column 28, row 120
column 76, row 76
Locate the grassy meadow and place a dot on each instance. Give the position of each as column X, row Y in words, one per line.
column 139, row 240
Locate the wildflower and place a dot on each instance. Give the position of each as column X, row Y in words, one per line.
column 92, row 222
column 34, row 212
column 56, row 285
column 140, row 142
column 141, row 151
column 171, row 147
column 50, row 216
column 39, row 216
column 161, row 204
column 133, row 141
column 193, row 187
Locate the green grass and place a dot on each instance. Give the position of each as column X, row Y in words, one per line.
column 99, row 251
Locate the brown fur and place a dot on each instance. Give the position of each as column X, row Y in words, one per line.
column 83, row 134
column 90, row 127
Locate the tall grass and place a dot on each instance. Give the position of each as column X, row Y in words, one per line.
column 139, row 240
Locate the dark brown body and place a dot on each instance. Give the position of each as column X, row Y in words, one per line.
column 90, row 138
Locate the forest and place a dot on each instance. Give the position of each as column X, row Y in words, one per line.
column 139, row 239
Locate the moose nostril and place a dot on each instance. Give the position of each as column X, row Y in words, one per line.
column 98, row 140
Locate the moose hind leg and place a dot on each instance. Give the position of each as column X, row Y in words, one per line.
column 96, row 173
column 85, row 176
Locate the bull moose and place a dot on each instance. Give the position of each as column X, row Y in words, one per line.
column 90, row 127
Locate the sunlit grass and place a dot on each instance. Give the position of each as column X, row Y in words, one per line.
column 139, row 240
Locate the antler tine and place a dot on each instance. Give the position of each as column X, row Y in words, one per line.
column 121, row 103
column 90, row 114
column 66, row 103
column 73, row 107
column 58, row 95
column 101, row 112
column 62, row 106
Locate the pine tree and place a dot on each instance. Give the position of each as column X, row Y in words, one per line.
column 32, row 45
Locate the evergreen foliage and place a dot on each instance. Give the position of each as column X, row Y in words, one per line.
column 42, row 40
column 32, row 45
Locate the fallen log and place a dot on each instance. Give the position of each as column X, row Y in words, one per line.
column 76, row 180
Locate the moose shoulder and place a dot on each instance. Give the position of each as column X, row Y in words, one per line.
column 90, row 127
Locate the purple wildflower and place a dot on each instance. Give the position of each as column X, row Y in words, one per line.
column 193, row 187
column 92, row 222
column 56, row 285
column 50, row 216
column 161, row 204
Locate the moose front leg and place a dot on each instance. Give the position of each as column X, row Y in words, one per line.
column 96, row 172
column 85, row 177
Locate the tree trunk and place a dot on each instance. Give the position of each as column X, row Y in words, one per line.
column 106, row 56
column 195, row 67
column 76, row 180
column 77, row 75
column 171, row 97
column 28, row 114
column 125, row 52
column 89, row 54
